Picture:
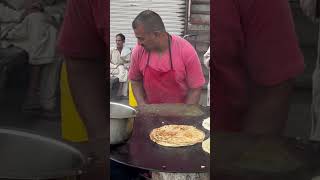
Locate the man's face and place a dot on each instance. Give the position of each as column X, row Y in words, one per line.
column 147, row 40
column 119, row 42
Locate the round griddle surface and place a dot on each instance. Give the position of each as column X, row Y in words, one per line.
column 143, row 153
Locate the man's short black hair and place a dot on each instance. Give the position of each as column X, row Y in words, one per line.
column 123, row 38
column 151, row 21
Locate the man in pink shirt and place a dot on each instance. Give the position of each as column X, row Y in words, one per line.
column 256, row 59
column 165, row 68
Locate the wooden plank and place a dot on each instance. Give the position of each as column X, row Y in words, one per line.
column 200, row 19
column 200, row 35
column 200, row 9
column 201, row 46
column 198, row 27
column 200, row 2
column 199, row 42
column 201, row 12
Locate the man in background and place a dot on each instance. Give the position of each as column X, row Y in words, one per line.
column 33, row 25
column 119, row 64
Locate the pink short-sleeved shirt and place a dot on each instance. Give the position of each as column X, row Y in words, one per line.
column 254, row 43
column 185, row 61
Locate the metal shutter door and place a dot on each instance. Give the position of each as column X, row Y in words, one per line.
column 122, row 13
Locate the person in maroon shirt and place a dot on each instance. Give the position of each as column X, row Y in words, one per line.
column 256, row 58
column 83, row 43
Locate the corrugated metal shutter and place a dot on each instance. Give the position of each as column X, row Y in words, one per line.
column 122, row 13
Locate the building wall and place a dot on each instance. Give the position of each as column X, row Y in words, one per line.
column 199, row 24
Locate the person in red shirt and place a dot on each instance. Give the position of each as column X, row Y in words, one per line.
column 83, row 43
column 164, row 68
column 256, row 59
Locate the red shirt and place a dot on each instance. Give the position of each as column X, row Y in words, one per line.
column 253, row 43
column 84, row 31
column 185, row 61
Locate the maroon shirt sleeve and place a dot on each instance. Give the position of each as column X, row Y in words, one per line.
column 272, row 53
column 82, row 33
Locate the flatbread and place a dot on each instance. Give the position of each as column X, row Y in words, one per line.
column 206, row 145
column 177, row 135
column 206, row 123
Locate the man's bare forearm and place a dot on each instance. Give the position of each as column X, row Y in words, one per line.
column 268, row 110
column 193, row 96
column 88, row 87
column 138, row 91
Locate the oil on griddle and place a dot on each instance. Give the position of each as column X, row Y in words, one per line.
column 171, row 110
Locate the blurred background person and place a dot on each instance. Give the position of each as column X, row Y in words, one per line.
column 119, row 64
column 33, row 26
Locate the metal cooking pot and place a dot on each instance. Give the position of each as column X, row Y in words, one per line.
column 121, row 122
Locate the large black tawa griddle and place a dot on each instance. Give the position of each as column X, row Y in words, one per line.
column 143, row 153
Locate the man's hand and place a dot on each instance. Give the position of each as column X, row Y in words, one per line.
column 138, row 91
column 268, row 109
column 193, row 96
column 96, row 151
column 88, row 88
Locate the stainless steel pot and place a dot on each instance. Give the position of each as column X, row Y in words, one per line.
column 121, row 122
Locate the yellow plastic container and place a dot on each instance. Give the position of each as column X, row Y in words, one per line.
column 132, row 99
column 73, row 128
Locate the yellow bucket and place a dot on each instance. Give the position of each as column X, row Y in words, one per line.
column 73, row 128
column 132, row 99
